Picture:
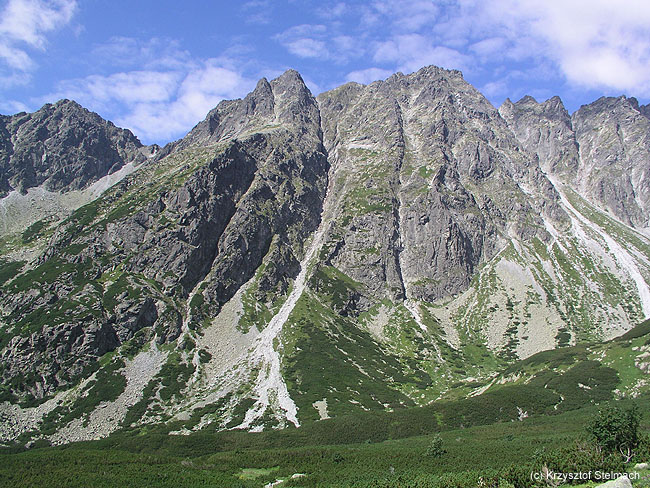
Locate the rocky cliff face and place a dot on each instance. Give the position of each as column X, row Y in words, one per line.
column 545, row 130
column 601, row 151
column 614, row 140
column 63, row 147
column 131, row 259
column 429, row 177
column 294, row 258
column 57, row 159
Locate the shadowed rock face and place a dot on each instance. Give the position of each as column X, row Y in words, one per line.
column 602, row 150
column 259, row 194
column 63, row 146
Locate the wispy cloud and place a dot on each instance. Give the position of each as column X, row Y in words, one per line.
column 334, row 11
column 128, row 87
column 366, row 76
column 412, row 51
column 154, row 53
column 323, row 42
column 12, row 106
column 24, row 25
column 599, row 43
column 158, row 105
column 306, row 47
column 305, row 40
column 592, row 43
column 408, row 15
column 258, row 12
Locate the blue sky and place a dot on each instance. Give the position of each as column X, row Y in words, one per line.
column 157, row 67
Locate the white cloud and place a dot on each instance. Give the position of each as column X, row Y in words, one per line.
column 321, row 42
column 608, row 44
column 333, row 11
column 15, row 58
column 13, row 79
column 24, row 25
column 258, row 12
column 12, row 107
column 408, row 15
column 348, row 47
column 154, row 53
column 158, row 105
column 412, row 51
column 594, row 43
column 366, row 76
column 489, row 48
column 305, row 41
column 130, row 87
column 159, row 90
column 307, row 47
column 495, row 88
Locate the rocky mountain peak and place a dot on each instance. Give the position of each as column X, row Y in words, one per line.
column 261, row 95
column 70, row 105
column 295, row 104
column 645, row 110
column 433, row 72
column 555, row 103
column 283, row 100
column 62, row 146
column 507, row 103
column 527, row 100
column 544, row 129
column 290, row 79
column 614, row 139
column 601, row 150
column 551, row 108
column 612, row 105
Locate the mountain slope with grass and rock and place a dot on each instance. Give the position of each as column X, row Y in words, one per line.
column 297, row 258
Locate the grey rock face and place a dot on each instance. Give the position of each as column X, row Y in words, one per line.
column 63, row 146
column 645, row 110
column 426, row 183
column 429, row 179
column 614, row 140
column 264, row 195
column 545, row 130
column 602, row 151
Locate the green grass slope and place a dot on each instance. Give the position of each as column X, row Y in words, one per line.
column 535, row 406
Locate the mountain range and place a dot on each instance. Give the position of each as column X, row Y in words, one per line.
column 295, row 258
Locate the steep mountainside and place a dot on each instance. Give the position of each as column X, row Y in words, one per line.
column 294, row 258
column 602, row 151
column 59, row 149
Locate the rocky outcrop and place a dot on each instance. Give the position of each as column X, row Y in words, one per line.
column 545, row 130
column 429, row 177
column 602, row 151
column 614, row 140
column 63, row 147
